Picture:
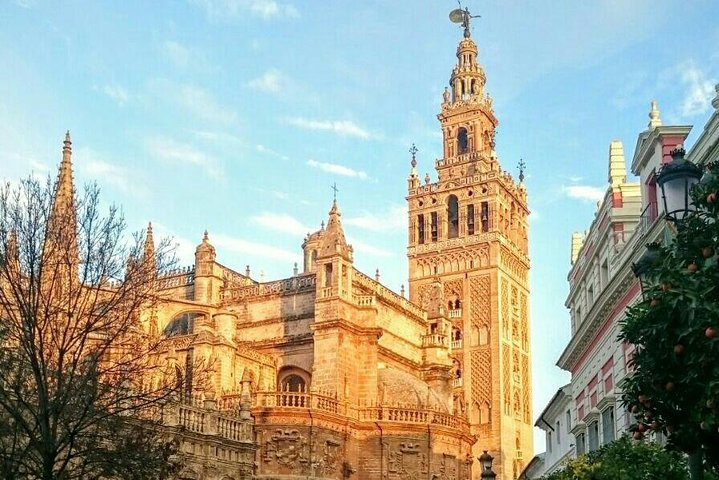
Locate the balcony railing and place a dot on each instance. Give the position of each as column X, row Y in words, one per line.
column 457, row 382
column 457, row 344
column 434, row 340
column 455, row 313
column 303, row 401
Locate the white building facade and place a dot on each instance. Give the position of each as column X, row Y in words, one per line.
column 602, row 286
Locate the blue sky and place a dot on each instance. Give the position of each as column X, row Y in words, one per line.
column 238, row 115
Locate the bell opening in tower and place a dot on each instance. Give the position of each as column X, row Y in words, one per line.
column 462, row 141
column 452, row 216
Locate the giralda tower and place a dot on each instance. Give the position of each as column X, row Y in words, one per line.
column 468, row 232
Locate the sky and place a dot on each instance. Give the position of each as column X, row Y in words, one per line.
column 238, row 116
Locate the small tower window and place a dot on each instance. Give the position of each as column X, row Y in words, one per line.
column 433, row 217
column 462, row 141
column 328, row 275
column 485, row 217
column 453, row 216
column 420, row 228
column 470, row 219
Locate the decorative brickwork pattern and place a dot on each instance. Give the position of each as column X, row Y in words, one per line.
column 514, row 312
column 479, row 294
column 506, row 380
column 482, row 376
column 505, row 309
column 525, row 327
column 453, row 289
column 526, row 387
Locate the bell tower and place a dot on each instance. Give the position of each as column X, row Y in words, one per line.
column 468, row 230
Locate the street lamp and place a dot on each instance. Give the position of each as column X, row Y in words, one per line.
column 676, row 179
column 644, row 264
column 485, row 461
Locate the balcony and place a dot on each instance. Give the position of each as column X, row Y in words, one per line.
column 434, row 340
column 457, row 344
column 457, row 382
column 456, row 313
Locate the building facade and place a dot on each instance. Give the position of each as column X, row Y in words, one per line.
column 602, row 284
column 328, row 374
column 468, row 241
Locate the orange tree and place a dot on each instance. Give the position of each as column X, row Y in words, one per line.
column 674, row 386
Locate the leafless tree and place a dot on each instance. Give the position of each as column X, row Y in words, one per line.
column 82, row 388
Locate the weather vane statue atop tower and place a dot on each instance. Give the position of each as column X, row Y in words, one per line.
column 463, row 16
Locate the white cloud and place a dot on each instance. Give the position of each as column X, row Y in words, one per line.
column 337, row 169
column 173, row 151
column 368, row 249
column 393, row 219
column 203, row 104
column 584, row 192
column 218, row 137
column 253, row 249
column 266, row 150
column 105, row 171
column 265, row 9
column 272, row 81
column 197, row 101
column 177, row 53
column 345, row 128
column 117, row 93
column 700, row 89
column 281, row 222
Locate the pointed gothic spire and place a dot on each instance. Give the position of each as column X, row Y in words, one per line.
column 333, row 239
column 64, row 201
column 149, row 253
column 61, row 235
column 617, row 164
column 654, row 119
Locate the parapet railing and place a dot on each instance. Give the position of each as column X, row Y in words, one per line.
column 208, row 420
column 367, row 413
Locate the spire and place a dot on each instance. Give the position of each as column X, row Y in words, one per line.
column 61, row 235
column 617, row 165
column 333, row 239
column 64, row 201
column 149, row 253
column 654, row 119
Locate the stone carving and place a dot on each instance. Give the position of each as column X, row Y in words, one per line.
column 407, row 462
column 447, row 468
column 286, row 447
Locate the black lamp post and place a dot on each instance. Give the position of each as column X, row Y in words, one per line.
column 645, row 262
column 485, row 462
column 676, row 179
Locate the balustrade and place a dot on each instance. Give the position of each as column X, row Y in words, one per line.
column 434, row 340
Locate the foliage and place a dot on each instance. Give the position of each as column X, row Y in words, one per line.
column 624, row 459
column 674, row 387
column 80, row 393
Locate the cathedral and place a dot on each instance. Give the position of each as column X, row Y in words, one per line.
column 329, row 374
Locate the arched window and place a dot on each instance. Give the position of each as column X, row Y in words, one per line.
column 462, row 141
column 452, row 216
column 293, row 379
column 293, row 383
column 182, row 324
